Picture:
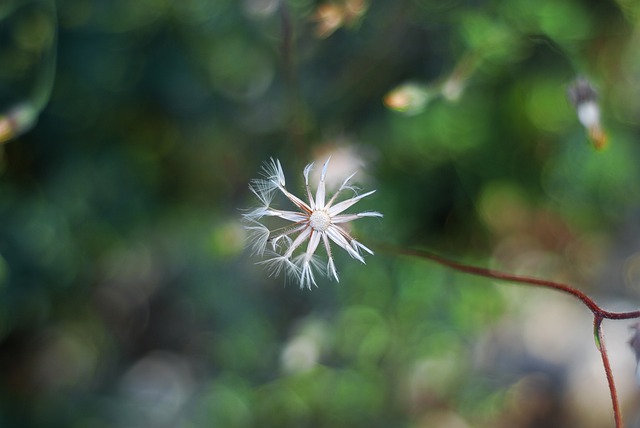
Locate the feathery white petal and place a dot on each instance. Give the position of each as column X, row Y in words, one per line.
column 296, row 201
column 293, row 216
column 306, row 276
column 331, row 269
column 275, row 241
column 255, row 214
column 345, row 218
column 263, row 191
column 273, row 172
column 278, row 264
column 285, row 234
column 314, row 240
column 358, row 246
column 340, row 189
column 304, row 234
column 257, row 237
column 341, row 206
column 307, row 170
column 336, row 234
column 306, row 266
column 320, row 193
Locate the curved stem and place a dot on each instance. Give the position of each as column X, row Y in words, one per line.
column 598, row 313
column 22, row 116
column 502, row 276
column 295, row 126
column 597, row 327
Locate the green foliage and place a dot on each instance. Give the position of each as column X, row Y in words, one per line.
column 126, row 295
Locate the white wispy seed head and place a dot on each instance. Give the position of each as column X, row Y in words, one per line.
column 318, row 222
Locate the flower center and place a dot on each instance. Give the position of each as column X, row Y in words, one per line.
column 320, row 220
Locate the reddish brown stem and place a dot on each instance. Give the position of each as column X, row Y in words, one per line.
column 597, row 323
column 502, row 276
column 598, row 313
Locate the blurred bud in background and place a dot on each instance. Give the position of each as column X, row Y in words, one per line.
column 346, row 158
column 584, row 98
column 331, row 16
column 28, row 32
column 17, row 121
column 412, row 98
column 409, row 98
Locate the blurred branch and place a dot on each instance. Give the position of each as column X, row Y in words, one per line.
column 597, row 327
column 296, row 126
column 502, row 276
column 22, row 116
column 598, row 313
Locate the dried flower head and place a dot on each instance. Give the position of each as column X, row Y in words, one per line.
column 318, row 220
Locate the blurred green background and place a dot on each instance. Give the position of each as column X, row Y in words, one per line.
column 127, row 298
